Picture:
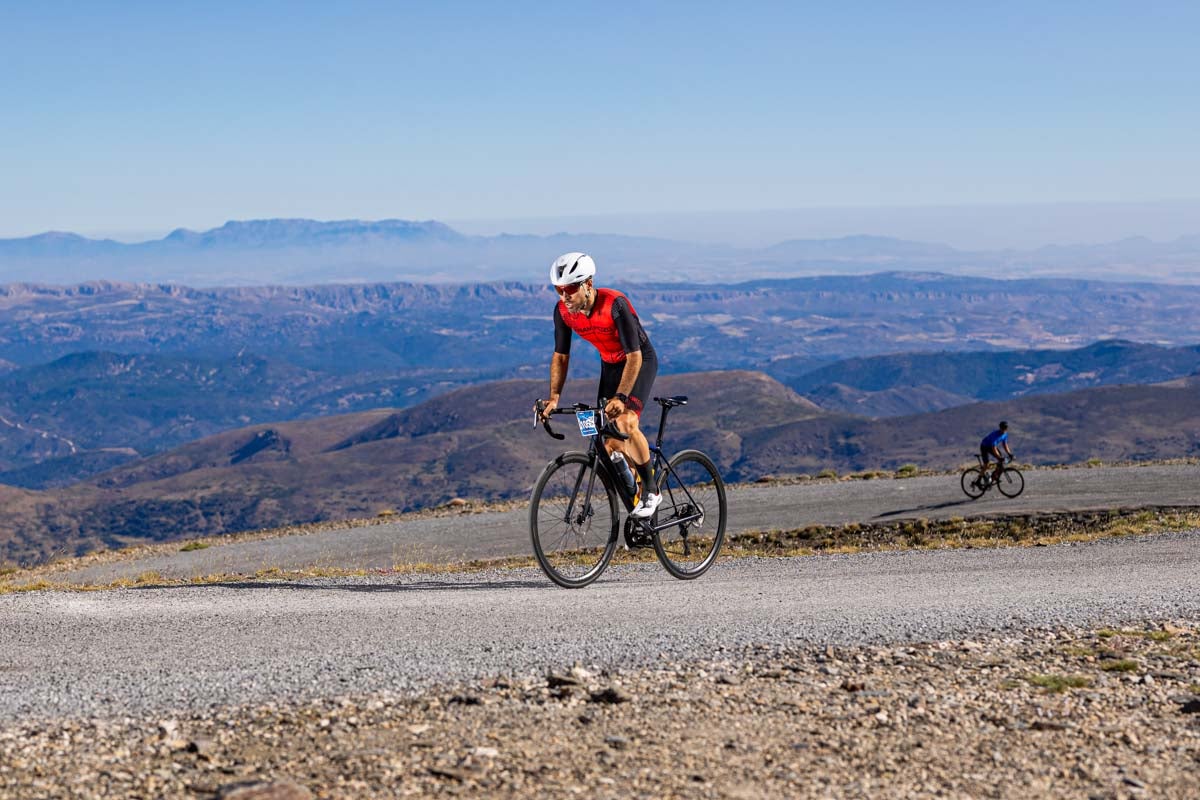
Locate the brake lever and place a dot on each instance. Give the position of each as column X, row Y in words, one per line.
column 537, row 417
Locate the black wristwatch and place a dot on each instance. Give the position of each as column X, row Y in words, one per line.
column 624, row 398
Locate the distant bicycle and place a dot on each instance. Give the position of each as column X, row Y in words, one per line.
column 574, row 514
column 977, row 480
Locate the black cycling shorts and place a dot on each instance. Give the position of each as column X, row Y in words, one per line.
column 610, row 381
column 988, row 455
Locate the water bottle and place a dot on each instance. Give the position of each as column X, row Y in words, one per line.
column 626, row 472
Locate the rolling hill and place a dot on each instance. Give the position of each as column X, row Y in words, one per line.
column 478, row 443
column 870, row 385
column 1109, row 423
column 87, row 412
column 475, row 442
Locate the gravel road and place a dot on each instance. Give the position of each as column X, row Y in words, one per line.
column 191, row 647
column 752, row 508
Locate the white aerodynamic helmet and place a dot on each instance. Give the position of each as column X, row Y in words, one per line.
column 572, row 268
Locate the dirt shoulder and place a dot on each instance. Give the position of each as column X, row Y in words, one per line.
column 1062, row 713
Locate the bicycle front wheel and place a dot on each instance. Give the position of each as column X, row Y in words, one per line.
column 691, row 518
column 972, row 482
column 573, row 520
column 1011, row 483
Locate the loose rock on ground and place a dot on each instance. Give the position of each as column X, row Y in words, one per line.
column 1039, row 713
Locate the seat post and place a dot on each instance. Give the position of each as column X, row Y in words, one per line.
column 662, row 425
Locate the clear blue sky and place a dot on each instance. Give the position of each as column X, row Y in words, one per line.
column 140, row 116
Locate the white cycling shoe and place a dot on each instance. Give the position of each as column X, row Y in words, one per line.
column 646, row 506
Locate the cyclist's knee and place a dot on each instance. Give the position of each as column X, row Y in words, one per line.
column 627, row 423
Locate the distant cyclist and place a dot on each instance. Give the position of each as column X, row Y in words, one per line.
column 989, row 448
column 628, row 363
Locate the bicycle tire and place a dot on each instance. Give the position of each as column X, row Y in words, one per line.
column 573, row 551
column 1011, row 482
column 692, row 480
column 971, row 482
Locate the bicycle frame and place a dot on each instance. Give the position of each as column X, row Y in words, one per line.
column 597, row 452
column 986, row 467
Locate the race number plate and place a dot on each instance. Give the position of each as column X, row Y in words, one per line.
column 587, row 422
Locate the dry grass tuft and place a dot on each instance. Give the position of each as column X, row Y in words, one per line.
column 1059, row 683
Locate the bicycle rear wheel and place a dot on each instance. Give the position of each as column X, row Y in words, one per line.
column 573, row 520
column 972, row 482
column 693, row 514
column 1011, row 482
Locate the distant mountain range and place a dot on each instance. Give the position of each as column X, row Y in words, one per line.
column 477, row 443
column 301, row 251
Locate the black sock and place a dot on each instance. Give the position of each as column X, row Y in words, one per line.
column 646, row 474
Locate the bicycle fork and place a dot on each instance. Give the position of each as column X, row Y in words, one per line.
column 585, row 505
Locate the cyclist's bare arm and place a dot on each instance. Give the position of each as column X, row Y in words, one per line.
column 616, row 408
column 558, row 378
column 558, row 374
column 633, row 366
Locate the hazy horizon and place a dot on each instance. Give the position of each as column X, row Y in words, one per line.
column 967, row 227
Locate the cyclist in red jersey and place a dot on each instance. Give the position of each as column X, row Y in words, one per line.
column 628, row 363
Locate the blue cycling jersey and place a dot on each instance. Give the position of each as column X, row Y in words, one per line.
column 994, row 438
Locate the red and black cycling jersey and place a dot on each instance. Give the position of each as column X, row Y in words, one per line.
column 612, row 326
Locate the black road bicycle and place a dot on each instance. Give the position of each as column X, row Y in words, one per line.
column 575, row 511
column 977, row 480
